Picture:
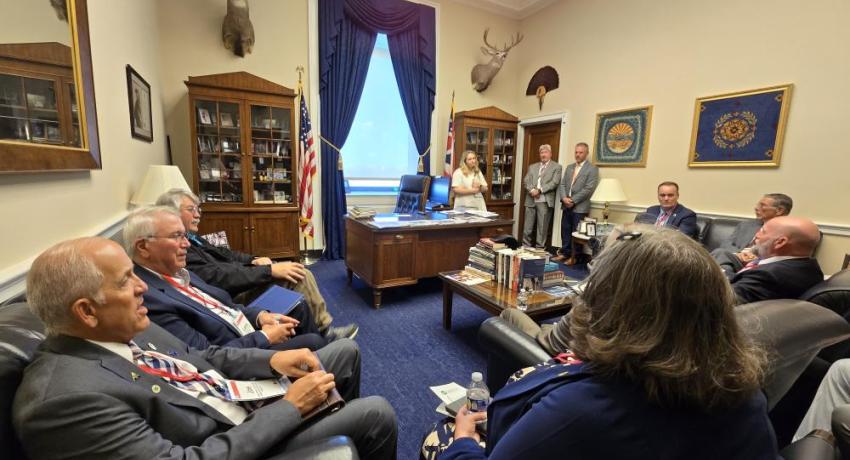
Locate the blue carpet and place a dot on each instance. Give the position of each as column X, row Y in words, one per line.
column 404, row 346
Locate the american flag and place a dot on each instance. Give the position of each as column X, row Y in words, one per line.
column 450, row 142
column 307, row 166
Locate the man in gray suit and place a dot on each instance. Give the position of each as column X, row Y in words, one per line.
column 736, row 251
column 106, row 383
column 577, row 186
column 541, row 183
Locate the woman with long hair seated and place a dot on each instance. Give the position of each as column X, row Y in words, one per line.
column 659, row 369
column 468, row 184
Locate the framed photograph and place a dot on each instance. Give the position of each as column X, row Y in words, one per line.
column 591, row 229
column 204, row 116
column 743, row 129
column 205, row 174
column 622, row 137
column 139, row 95
column 226, row 120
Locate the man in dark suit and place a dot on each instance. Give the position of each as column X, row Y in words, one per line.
column 92, row 390
column 784, row 267
column 195, row 312
column 670, row 213
column 245, row 276
column 577, row 186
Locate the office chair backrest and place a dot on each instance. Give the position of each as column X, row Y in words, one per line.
column 792, row 332
column 412, row 191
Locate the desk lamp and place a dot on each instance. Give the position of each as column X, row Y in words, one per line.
column 608, row 190
column 158, row 180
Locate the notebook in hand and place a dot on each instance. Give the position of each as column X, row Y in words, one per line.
column 278, row 300
column 330, row 405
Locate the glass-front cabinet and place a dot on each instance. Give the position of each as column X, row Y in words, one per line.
column 491, row 133
column 243, row 161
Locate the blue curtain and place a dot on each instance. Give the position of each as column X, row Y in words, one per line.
column 347, row 32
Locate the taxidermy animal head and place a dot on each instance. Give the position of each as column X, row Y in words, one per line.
column 237, row 32
column 482, row 74
column 61, row 9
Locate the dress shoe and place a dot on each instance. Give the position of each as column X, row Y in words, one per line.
column 348, row 331
column 570, row 261
column 557, row 258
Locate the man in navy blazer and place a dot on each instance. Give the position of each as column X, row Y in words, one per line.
column 672, row 214
column 784, row 267
column 195, row 312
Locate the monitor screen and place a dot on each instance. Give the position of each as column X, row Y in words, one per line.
column 438, row 194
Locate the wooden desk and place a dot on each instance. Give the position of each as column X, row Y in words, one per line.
column 494, row 297
column 392, row 256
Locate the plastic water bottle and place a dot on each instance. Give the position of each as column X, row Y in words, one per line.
column 477, row 395
column 522, row 299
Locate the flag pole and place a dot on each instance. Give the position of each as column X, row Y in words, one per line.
column 305, row 256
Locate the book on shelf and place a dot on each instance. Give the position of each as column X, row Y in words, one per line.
column 478, row 272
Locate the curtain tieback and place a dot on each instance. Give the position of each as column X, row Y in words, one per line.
column 339, row 154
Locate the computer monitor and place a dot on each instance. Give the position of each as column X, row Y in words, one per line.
column 438, row 193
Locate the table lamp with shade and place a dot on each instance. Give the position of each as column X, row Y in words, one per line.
column 609, row 190
column 158, row 180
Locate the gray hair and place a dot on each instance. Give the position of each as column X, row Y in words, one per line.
column 175, row 196
column 60, row 276
column 782, row 201
column 141, row 224
column 545, row 147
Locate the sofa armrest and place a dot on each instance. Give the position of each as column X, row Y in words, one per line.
column 333, row 448
column 508, row 349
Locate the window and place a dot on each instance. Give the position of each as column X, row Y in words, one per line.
column 380, row 148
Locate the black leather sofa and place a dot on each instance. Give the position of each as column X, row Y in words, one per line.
column 793, row 331
column 21, row 333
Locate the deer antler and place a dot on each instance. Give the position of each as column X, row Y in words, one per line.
column 486, row 31
column 514, row 42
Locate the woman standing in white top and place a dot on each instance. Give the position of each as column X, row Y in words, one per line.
column 468, row 184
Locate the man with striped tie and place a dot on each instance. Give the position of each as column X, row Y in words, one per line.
column 107, row 383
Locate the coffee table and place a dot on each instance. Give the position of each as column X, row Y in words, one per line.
column 494, row 298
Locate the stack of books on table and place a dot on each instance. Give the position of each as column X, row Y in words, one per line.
column 514, row 265
column 552, row 275
column 482, row 258
column 358, row 212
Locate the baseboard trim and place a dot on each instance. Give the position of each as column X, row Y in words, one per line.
column 825, row 227
column 13, row 288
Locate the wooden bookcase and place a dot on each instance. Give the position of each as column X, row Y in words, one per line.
column 492, row 134
column 243, row 161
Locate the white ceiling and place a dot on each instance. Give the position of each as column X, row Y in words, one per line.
column 515, row 9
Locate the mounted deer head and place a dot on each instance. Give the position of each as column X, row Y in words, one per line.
column 482, row 74
column 237, row 32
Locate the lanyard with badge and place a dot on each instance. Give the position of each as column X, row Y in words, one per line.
column 235, row 318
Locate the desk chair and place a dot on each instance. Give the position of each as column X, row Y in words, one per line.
column 412, row 193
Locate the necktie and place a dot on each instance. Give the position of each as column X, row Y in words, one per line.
column 662, row 219
column 178, row 373
column 750, row 265
column 194, row 239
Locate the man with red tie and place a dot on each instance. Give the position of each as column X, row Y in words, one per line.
column 784, row 267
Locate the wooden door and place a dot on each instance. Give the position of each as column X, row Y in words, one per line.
column 235, row 225
column 535, row 136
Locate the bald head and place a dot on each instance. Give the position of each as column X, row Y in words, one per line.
column 787, row 236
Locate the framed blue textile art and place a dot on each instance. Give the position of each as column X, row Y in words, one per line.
column 743, row 129
column 622, row 137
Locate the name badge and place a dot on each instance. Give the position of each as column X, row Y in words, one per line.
column 244, row 390
column 243, row 325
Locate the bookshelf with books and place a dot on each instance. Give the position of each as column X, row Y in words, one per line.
column 492, row 134
column 243, row 163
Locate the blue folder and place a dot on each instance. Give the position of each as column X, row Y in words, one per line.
column 278, row 300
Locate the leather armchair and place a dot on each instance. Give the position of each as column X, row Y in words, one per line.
column 412, row 193
column 833, row 294
column 718, row 231
column 20, row 335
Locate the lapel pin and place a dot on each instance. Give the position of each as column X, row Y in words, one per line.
column 134, row 376
column 151, row 346
column 156, row 389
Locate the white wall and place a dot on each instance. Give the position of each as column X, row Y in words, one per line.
column 44, row 208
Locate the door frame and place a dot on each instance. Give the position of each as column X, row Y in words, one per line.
column 564, row 158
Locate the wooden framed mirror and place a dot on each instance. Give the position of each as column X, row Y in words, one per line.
column 48, row 118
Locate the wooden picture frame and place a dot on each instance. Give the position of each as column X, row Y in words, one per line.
column 139, row 99
column 740, row 129
column 622, row 137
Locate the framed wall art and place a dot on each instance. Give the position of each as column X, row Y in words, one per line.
column 742, row 129
column 139, row 94
column 622, row 137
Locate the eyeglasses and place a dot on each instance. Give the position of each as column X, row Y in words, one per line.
column 176, row 236
column 193, row 209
